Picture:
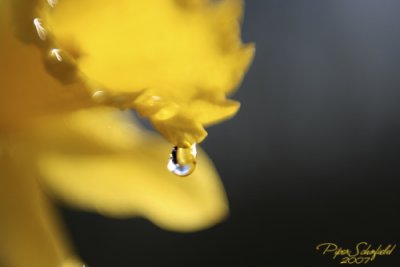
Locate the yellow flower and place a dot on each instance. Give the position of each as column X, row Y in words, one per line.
column 66, row 66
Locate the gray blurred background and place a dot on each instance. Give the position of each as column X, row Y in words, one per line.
column 313, row 156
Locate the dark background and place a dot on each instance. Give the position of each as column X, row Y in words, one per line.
column 312, row 157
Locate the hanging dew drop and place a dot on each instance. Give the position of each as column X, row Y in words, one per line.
column 182, row 161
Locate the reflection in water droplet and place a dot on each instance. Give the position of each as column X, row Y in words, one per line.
column 182, row 161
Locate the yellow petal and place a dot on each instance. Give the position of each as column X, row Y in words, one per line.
column 167, row 59
column 122, row 172
column 210, row 109
column 30, row 232
column 26, row 88
column 175, row 51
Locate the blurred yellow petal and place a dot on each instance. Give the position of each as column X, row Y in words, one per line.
column 26, row 87
column 177, row 50
column 173, row 61
column 30, row 232
column 174, row 51
column 177, row 53
column 123, row 173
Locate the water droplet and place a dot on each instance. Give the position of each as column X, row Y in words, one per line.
column 182, row 161
column 56, row 53
column 41, row 31
column 52, row 3
column 100, row 96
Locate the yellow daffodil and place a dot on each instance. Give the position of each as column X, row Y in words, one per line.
column 67, row 69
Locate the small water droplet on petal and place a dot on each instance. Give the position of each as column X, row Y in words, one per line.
column 41, row 31
column 182, row 161
column 56, row 53
column 52, row 3
column 100, row 96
